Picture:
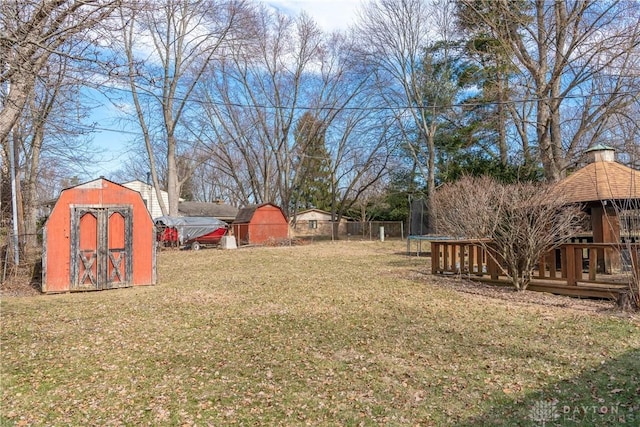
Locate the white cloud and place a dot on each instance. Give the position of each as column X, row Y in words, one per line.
column 329, row 14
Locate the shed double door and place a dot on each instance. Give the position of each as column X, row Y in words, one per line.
column 101, row 247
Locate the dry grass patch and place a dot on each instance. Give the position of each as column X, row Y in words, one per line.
column 348, row 333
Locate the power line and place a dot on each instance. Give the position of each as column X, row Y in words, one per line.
column 633, row 94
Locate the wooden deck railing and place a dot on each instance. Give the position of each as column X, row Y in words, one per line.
column 571, row 265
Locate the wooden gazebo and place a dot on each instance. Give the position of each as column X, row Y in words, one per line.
column 604, row 187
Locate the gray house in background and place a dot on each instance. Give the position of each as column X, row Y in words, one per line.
column 217, row 209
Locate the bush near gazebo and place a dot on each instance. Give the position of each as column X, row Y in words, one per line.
column 628, row 210
column 516, row 224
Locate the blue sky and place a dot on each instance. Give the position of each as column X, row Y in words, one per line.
column 115, row 139
column 329, row 14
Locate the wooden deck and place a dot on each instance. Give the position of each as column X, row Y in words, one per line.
column 573, row 269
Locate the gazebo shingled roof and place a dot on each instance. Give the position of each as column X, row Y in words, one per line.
column 601, row 180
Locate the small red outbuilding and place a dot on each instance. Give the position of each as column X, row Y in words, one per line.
column 260, row 224
column 99, row 236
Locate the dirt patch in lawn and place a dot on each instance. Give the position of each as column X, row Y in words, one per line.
column 512, row 297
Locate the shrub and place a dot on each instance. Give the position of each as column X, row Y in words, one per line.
column 515, row 223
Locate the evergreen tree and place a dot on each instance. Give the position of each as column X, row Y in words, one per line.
column 473, row 141
column 312, row 161
column 489, row 69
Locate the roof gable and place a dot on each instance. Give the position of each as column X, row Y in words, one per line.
column 314, row 210
column 94, row 184
column 314, row 214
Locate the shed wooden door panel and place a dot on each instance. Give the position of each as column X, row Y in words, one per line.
column 119, row 249
column 88, row 251
column 101, row 254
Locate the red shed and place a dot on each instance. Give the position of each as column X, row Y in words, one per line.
column 99, row 236
column 260, row 224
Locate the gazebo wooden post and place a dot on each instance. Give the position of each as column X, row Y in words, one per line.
column 571, row 265
column 635, row 263
column 461, row 257
column 492, row 268
column 492, row 264
column 606, row 229
column 435, row 258
column 541, row 267
column 593, row 263
column 483, row 263
column 472, row 257
column 563, row 262
column 551, row 262
column 445, row 256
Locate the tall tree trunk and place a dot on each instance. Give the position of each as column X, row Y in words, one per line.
column 19, row 89
column 173, row 184
column 31, row 212
column 18, row 191
column 502, row 118
column 431, row 180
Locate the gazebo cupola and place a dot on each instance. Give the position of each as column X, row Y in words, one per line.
column 601, row 153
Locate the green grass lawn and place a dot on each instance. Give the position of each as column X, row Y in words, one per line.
column 347, row 333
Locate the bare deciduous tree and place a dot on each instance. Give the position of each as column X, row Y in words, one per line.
column 37, row 37
column 397, row 36
column 257, row 98
column 362, row 158
column 253, row 102
column 49, row 131
column 33, row 31
column 568, row 51
column 168, row 47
